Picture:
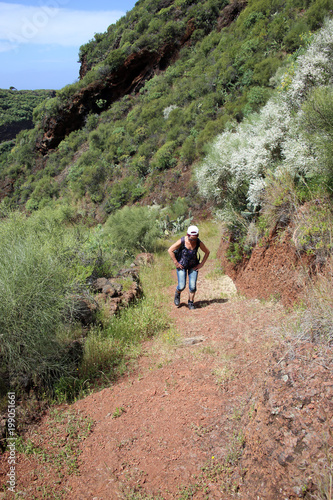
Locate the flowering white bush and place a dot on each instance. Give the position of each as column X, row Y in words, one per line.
column 167, row 110
column 243, row 157
column 314, row 67
column 271, row 139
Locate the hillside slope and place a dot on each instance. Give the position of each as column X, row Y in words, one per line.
column 155, row 89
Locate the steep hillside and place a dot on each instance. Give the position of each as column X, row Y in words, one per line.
column 154, row 89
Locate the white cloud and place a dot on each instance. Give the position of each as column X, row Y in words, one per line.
column 50, row 24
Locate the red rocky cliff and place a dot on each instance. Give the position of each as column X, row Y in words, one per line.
column 275, row 269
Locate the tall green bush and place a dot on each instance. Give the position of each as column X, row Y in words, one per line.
column 164, row 157
column 133, row 229
column 43, row 264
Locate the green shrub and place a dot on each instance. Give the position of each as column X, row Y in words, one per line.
column 188, row 150
column 46, row 108
column 127, row 190
column 176, row 217
column 115, row 59
column 133, row 229
column 317, row 12
column 45, row 189
column 101, row 355
column 292, row 39
column 36, row 283
column 22, row 155
column 140, row 165
column 164, row 157
column 265, row 69
column 313, row 232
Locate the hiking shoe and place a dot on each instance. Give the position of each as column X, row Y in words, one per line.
column 177, row 298
column 191, row 305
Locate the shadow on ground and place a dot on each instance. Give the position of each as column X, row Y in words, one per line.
column 204, row 303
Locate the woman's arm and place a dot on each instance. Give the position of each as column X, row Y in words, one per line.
column 203, row 247
column 172, row 255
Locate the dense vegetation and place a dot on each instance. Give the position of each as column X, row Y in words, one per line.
column 16, row 110
column 48, row 262
column 18, row 105
column 220, row 76
column 262, row 171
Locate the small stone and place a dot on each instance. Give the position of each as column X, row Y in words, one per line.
column 285, row 378
column 191, row 341
column 289, row 416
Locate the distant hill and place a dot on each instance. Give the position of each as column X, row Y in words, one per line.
column 16, row 107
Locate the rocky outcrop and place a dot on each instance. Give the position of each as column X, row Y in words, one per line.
column 130, row 77
column 230, row 12
column 117, row 293
column 113, row 293
column 275, row 269
column 110, row 294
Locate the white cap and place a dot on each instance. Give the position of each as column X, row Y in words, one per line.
column 193, row 230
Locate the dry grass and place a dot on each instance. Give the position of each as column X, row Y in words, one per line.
column 324, row 479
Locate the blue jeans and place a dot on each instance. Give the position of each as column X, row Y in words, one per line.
column 192, row 279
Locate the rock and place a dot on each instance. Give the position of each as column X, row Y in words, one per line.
column 75, row 351
column 191, row 341
column 84, row 310
column 144, row 259
column 111, row 290
column 283, row 459
column 298, row 490
column 100, row 283
column 113, row 307
column 129, row 272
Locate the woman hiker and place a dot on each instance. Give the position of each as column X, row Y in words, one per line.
column 184, row 255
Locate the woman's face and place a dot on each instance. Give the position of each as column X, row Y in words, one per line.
column 192, row 237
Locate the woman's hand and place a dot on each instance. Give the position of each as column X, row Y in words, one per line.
column 179, row 266
column 199, row 266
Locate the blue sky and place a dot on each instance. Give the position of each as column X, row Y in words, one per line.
column 40, row 39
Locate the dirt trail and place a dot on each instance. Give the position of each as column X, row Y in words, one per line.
column 234, row 415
